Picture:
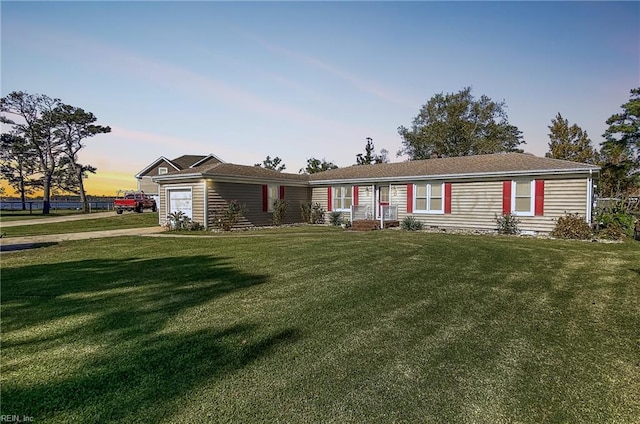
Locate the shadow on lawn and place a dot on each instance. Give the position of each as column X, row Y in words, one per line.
column 138, row 369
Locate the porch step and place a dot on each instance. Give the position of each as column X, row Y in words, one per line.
column 370, row 224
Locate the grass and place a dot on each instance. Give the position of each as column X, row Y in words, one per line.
column 322, row 326
column 129, row 220
column 18, row 215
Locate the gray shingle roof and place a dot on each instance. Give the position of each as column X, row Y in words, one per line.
column 242, row 171
column 499, row 163
column 185, row 161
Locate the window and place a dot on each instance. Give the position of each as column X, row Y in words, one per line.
column 342, row 198
column 162, row 170
column 522, row 197
column 429, row 198
column 272, row 196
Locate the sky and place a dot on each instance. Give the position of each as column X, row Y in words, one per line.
column 244, row 80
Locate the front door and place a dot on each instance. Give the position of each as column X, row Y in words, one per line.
column 382, row 195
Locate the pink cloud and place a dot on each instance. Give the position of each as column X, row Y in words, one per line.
column 369, row 87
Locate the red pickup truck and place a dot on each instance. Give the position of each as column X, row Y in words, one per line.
column 135, row 201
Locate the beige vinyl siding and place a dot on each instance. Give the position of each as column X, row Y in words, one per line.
column 149, row 187
column 475, row 205
column 295, row 196
column 251, row 196
column 319, row 195
column 561, row 196
column 248, row 194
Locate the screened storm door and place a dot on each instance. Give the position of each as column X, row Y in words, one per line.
column 382, row 199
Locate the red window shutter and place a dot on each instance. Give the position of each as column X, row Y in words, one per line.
column 329, row 208
column 355, row 195
column 281, row 192
column 539, row 202
column 506, row 197
column 447, row 197
column 409, row 198
column 265, row 206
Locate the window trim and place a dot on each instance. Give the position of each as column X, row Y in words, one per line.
column 428, row 199
column 162, row 170
column 341, row 198
column 532, row 198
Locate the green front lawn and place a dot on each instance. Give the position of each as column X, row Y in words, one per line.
column 18, row 215
column 322, row 326
column 116, row 222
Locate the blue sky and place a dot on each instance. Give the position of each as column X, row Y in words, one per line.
column 308, row 79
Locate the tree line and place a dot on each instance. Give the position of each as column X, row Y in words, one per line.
column 458, row 124
column 40, row 150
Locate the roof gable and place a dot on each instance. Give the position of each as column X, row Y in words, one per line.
column 154, row 164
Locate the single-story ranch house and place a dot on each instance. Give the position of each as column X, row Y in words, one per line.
column 458, row 192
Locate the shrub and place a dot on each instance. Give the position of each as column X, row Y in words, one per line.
column 410, row 223
column 572, row 226
column 335, row 218
column 312, row 213
column 178, row 221
column 305, row 211
column 614, row 225
column 194, row 226
column 507, row 224
column 228, row 216
column 279, row 211
column 317, row 214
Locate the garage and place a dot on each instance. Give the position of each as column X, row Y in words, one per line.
column 180, row 200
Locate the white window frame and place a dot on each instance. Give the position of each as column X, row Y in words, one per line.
column 341, row 198
column 167, row 197
column 163, row 170
column 428, row 205
column 271, row 199
column 532, row 198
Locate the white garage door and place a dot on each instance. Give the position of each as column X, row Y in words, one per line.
column 180, row 200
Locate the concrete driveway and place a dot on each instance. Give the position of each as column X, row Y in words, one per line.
column 20, row 243
column 35, row 221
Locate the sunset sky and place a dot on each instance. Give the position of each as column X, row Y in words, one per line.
column 244, row 80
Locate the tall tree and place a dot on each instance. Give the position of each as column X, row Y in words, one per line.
column 620, row 173
column 624, row 127
column 316, row 165
column 37, row 130
column 369, row 157
column 275, row 164
column 458, row 124
column 570, row 142
column 72, row 126
column 16, row 165
column 54, row 134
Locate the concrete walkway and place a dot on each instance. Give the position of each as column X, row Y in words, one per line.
column 28, row 242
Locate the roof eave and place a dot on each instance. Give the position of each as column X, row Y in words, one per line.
column 457, row 176
column 229, row 179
